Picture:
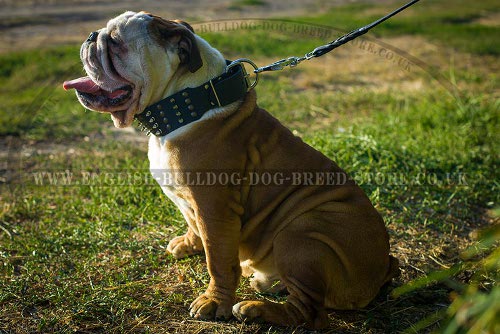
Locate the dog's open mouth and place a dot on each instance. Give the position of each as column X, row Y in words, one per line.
column 95, row 97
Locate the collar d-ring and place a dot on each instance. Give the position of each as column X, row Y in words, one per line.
column 247, row 76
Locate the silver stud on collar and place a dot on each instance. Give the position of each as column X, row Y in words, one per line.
column 148, row 113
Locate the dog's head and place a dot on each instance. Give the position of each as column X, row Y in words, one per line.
column 132, row 62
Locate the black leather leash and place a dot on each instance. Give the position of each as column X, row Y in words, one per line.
column 191, row 104
column 321, row 50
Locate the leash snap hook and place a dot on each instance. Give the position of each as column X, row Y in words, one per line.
column 245, row 73
column 292, row 61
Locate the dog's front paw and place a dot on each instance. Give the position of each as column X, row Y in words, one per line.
column 207, row 308
column 181, row 247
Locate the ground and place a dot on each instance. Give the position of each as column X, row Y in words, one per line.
column 410, row 110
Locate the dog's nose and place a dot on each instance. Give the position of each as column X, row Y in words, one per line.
column 93, row 36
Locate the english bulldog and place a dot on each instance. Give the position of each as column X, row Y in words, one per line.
column 321, row 242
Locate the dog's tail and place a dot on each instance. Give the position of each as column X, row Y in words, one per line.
column 393, row 270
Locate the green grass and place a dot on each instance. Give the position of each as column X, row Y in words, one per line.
column 451, row 23
column 33, row 103
column 90, row 256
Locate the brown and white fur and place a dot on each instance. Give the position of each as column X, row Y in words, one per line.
column 325, row 244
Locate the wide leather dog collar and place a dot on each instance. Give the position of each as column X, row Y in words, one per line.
column 191, row 104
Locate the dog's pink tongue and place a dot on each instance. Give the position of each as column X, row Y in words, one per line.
column 83, row 84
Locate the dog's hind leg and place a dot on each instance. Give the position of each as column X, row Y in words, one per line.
column 306, row 279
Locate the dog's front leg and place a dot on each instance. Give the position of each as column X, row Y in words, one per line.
column 220, row 241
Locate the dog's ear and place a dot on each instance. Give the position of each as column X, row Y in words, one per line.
column 181, row 33
column 185, row 24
